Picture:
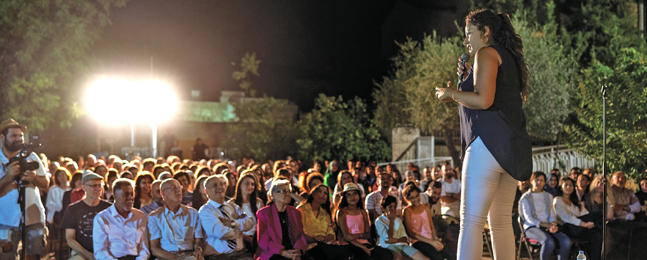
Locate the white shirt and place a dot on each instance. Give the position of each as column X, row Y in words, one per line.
column 540, row 206
column 217, row 234
column 453, row 187
column 114, row 236
column 568, row 213
column 176, row 231
column 10, row 211
column 54, row 201
column 248, row 211
column 452, row 208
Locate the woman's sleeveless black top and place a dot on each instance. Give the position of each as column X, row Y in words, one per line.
column 502, row 127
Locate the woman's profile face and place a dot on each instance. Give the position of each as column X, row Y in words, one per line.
column 553, row 181
column 346, row 178
column 567, row 188
column 538, row 183
column 474, row 39
column 145, row 185
column 62, row 177
column 352, row 197
column 248, row 186
column 321, row 194
column 599, row 186
column 413, row 198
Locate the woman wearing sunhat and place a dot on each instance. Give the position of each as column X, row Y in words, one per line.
column 354, row 226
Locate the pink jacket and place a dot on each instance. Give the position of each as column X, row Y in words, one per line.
column 269, row 234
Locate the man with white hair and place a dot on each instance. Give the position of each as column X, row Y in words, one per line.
column 223, row 222
column 119, row 231
column 624, row 201
column 175, row 229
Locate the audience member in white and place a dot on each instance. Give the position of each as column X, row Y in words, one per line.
column 175, row 230
column 373, row 200
column 450, row 197
column 120, row 230
column 224, row 222
column 624, row 201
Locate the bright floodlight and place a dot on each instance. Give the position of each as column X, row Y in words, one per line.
column 112, row 100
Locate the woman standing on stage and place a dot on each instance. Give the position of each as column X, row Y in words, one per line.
column 495, row 144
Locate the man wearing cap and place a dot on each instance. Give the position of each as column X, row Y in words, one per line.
column 12, row 136
column 78, row 218
column 175, row 230
column 120, row 231
column 373, row 199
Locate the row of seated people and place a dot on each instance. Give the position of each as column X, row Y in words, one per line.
column 95, row 229
column 576, row 212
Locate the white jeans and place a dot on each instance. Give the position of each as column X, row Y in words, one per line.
column 486, row 189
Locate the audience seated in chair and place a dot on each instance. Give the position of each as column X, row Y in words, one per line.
column 539, row 218
column 624, row 201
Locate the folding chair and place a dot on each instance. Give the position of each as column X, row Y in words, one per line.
column 531, row 244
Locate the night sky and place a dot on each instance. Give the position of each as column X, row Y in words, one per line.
column 306, row 47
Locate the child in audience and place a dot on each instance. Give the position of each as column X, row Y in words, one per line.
column 391, row 231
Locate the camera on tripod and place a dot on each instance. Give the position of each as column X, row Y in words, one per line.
column 21, row 158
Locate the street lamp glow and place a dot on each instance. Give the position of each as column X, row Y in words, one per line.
column 114, row 100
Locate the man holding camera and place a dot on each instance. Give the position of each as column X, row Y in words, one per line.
column 12, row 136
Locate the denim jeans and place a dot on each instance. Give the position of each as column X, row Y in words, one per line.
column 547, row 241
column 486, row 190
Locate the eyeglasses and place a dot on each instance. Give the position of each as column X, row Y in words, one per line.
column 283, row 191
column 94, row 185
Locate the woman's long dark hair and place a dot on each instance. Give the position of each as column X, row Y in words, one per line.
column 573, row 197
column 238, row 197
column 326, row 206
column 138, row 188
column 503, row 34
column 196, row 197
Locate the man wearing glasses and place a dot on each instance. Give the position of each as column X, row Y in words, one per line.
column 223, row 222
column 78, row 218
column 175, row 229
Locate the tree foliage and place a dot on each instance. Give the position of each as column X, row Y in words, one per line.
column 44, row 50
column 340, row 130
column 335, row 129
column 263, row 130
column 406, row 96
column 552, row 78
column 626, row 112
column 248, row 68
column 611, row 52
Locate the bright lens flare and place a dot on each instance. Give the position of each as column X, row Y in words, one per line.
column 112, row 100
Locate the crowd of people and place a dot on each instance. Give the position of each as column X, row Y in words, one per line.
column 169, row 208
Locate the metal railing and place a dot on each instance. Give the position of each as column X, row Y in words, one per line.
column 421, row 152
column 559, row 157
